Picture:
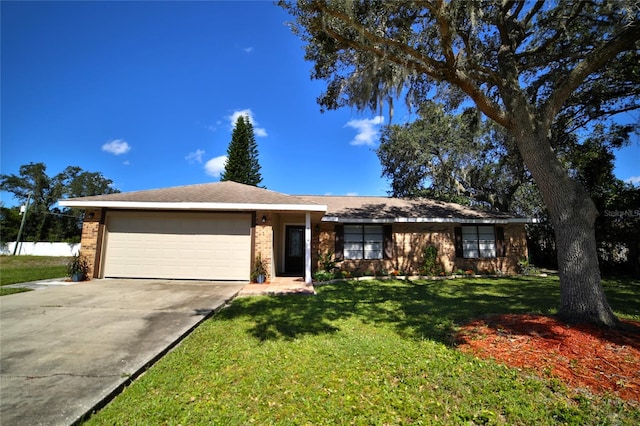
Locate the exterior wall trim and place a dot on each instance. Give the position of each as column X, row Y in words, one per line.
column 490, row 221
column 193, row 206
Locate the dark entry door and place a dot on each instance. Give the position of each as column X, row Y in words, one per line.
column 294, row 250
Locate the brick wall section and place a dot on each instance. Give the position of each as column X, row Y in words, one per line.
column 322, row 241
column 264, row 239
column 411, row 238
column 515, row 240
column 91, row 239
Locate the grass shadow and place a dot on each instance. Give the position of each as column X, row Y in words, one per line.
column 414, row 309
column 283, row 316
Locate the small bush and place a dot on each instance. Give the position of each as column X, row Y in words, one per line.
column 326, row 262
column 322, row 275
column 78, row 267
column 343, row 274
column 526, row 268
column 430, row 264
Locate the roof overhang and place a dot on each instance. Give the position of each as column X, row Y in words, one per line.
column 139, row 205
column 488, row 221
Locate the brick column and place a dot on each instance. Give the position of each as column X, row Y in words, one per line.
column 91, row 241
column 264, row 239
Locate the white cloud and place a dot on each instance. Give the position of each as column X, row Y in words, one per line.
column 215, row 166
column 367, row 131
column 116, row 147
column 634, row 180
column 248, row 49
column 351, row 194
column 126, row 163
column 258, row 131
column 195, row 157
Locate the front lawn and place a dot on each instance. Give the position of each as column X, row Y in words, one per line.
column 21, row 269
column 366, row 352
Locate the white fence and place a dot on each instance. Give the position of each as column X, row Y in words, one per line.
column 42, row 249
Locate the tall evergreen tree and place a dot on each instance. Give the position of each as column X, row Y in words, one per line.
column 242, row 155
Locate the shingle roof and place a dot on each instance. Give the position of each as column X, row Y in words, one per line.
column 232, row 195
column 227, row 192
column 341, row 208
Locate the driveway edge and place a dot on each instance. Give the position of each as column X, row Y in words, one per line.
column 132, row 377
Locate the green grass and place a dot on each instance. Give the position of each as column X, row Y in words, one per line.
column 20, row 269
column 363, row 353
column 7, row 291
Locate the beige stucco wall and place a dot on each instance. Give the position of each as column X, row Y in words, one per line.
column 409, row 239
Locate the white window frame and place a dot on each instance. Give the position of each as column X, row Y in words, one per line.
column 479, row 242
column 363, row 242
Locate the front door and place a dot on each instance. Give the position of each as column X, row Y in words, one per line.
column 294, row 250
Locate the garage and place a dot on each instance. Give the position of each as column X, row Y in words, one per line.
column 176, row 245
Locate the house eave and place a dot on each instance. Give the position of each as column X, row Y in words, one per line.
column 488, row 221
column 139, row 205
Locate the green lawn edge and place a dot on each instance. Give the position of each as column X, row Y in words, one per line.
column 21, row 269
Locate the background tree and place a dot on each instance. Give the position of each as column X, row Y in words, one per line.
column 455, row 158
column 10, row 223
column 75, row 182
column 242, row 155
column 45, row 221
column 431, row 156
column 617, row 227
column 441, row 156
column 523, row 64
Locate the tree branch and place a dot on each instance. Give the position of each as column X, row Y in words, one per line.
column 597, row 58
column 445, row 34
column 532, row 12
column 415, row 61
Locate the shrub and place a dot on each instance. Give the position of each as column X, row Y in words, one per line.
column 526, row 268
column 326, row 262
column 260, row 268
column 78, row 268
column 430, row 264
column 322, row 275
column 343, row 274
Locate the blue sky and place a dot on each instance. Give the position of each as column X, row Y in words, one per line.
column 146, row 93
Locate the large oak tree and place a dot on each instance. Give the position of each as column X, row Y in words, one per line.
column 523, row 63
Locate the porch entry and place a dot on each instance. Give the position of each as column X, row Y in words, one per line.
column 294, row 249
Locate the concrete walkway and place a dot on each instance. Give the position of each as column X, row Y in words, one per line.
column 65, row 349
column 275, row 286
column 278, row 285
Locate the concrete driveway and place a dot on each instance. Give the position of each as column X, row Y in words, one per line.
column 65, row 349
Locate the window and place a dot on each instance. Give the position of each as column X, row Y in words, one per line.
column 479, row 241
column 363, row 242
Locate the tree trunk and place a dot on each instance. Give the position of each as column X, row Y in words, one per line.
column 582, row 298
column 573, row 215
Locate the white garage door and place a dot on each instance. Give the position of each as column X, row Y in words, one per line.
column 207, row 246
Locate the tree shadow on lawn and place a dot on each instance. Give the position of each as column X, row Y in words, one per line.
column 418, row 310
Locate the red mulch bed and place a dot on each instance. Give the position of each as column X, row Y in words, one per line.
column 583, row 356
